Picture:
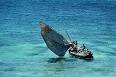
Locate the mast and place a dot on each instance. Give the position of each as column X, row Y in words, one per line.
column 68, row 36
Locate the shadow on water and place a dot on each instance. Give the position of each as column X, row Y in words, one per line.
column 54, row 60
column 89, row 60
column 71, row 59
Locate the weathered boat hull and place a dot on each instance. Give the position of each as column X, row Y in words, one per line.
column 82, row 55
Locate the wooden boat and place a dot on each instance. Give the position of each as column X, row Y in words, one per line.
column 80, row 53
column 59, row 45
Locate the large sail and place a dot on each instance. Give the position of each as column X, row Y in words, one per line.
column 54, row 41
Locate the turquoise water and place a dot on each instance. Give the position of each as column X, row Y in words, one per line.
column 23, row 52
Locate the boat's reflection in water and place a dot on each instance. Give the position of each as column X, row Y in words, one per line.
column 54, row 60
column 71, row 59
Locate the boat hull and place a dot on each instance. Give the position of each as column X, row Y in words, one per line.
column 82, row 55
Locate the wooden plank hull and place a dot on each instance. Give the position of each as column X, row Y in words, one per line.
column 82, row 55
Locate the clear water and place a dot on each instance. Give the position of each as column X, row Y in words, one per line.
column 23, row 52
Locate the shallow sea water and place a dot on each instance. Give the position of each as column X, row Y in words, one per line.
column 23, row 52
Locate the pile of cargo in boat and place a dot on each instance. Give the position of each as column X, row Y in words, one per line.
column 81, row 54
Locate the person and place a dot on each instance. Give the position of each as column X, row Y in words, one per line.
column 71, row 45
column 87, row 49
column 75, row 49
column 76, row 43
column 84, row 47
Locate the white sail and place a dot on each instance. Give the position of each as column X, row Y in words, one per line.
column 55, row 41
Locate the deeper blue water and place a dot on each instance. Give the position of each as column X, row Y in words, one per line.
column 23, row 52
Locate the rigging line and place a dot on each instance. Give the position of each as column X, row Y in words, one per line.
column 68, row 36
